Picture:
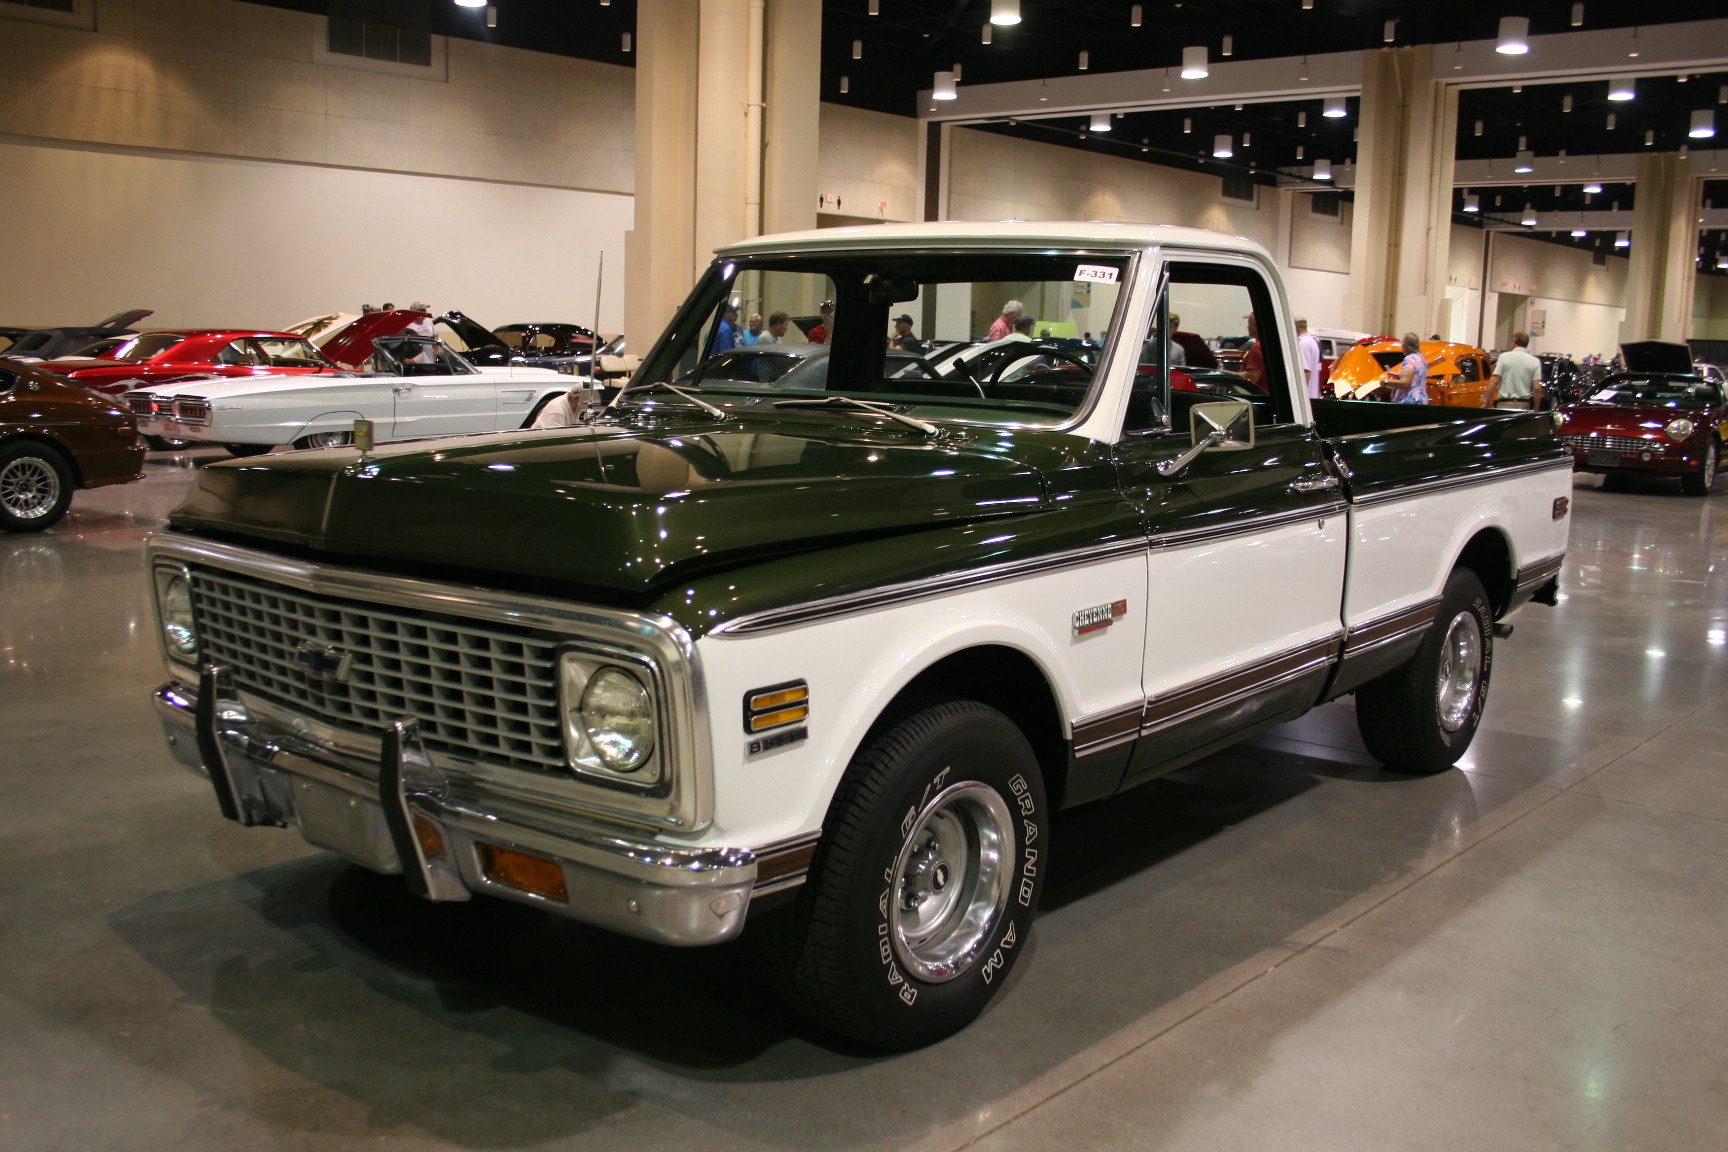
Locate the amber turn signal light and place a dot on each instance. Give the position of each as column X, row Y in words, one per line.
column 778, row 704
column 523, row 872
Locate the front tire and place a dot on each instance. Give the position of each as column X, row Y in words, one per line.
column 1703, row 481
column 1422, row 716
column 921, row 893
column 35, row 487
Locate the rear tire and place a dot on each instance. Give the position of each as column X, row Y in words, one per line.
column 1422, row 716
column 163, row 444
column 1703, row 481
column 921, row 892
column 325, row 440
column 35, row 487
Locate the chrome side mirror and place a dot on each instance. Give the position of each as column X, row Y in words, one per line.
column 1225, row 426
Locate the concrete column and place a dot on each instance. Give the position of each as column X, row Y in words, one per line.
column 1402, row 223
column 659, row 252
column 792, row 120
column 716, row 81
column 1663, row 269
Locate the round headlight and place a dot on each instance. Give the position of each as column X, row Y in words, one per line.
column 1679, row 429
column 618, row 716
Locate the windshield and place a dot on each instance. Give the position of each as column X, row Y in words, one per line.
column 1004, row 338
column 1665, row 393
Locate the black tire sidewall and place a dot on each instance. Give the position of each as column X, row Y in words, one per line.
column 55, row 460
column 949, row 744
column 1464, row 592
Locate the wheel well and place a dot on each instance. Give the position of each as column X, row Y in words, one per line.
column 1489, row 556
column 59, row 449
column 1008, row 681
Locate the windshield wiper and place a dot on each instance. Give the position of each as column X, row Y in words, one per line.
column 712, row 410
column 861, row 407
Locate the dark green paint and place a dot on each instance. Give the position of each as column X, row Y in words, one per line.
column 1415, row 443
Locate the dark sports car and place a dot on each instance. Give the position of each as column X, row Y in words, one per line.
column 1658, row 418
column 48, row 343
column 56, row 437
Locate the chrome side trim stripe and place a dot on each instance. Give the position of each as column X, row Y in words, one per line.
column 1108, row 729
column 1540, row 572
column 1230, row 687
column 784, row 863
column 1429, row 487
column 1389, row 629
column 1210, row 532
column 907, row 591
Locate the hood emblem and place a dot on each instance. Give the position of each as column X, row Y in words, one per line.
column 324, row 661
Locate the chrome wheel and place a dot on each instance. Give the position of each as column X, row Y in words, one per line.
column 325, row 440
column 1460, row 670
column 952, row 880
column 29, row 488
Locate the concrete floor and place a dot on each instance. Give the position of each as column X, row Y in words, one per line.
column 1282, row 947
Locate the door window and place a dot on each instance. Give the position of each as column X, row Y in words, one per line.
column 1214, row 335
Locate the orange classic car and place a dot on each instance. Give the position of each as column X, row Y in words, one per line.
column 1457, row 373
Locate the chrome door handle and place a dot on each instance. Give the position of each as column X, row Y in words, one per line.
column 1313, row 483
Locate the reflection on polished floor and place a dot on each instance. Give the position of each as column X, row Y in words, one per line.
column 1281, row 947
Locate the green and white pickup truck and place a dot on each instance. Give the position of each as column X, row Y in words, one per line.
column 820, row 636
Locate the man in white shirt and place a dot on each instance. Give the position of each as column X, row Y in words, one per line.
column 1517, row 375
column 776, row 331
column 1308, row 351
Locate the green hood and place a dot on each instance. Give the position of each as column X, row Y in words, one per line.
column 608, row 508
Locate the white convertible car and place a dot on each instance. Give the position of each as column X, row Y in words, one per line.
column 412, row 387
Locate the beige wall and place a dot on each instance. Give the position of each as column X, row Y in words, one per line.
column 233, row 79
column 1710, row 308
column 223, row 242
column 865, row 159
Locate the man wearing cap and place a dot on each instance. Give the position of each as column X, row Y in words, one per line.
column 1308, row 351
column 903, row 338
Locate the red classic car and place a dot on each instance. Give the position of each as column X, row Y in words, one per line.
column 180, row 353
column 1658, row 418
column 56, row 437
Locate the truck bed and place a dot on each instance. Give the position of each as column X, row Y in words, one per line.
column 1386, row 447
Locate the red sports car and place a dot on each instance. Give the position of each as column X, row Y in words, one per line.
column 181, row 353
column 1658, row 418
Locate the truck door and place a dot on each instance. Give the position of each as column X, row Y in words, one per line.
column 1246, row 549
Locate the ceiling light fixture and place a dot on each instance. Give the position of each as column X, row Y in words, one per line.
column 1100, row 122
column 984, row 36
column 492, row 17
column 1526, row 161
column 1579, row 233
column 1577, row 15
column 1301, row 119
column 1722, row 94
column 1322, row 169
column 1390, row 32
column 1622, row 240
column 1514, row 36
column 1703, row 124
column 1478, row 127
column 1593, row 189
column 1004, row 12
column 1649, row 137
column 1166, row 87
column 1227, row 45
column 1610, row 121
column 477, row 3
column 845, row 85
column 1334, row 108
column 1529, row 218
column 943, row 87
column 1221, row 147
column 1085, row 59
column 1194, row 63
column 1566, row 102
column 875, row 7
column 1307, row 5
column 857, row 49
column 626, row 42
column 1247, row 139
column 1623, row 89
column 1301, row 152
column 1458, row 57
column 1134, row 16
column 1303, row 75
column 1472, row 203
column 1187, row 125
column 1043, row 90
column 1632, row 52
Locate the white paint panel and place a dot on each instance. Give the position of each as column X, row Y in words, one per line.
column 1231, row 604
column 855, row 665
column 1403, row 550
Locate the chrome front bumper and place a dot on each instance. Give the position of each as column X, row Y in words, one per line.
column 400, row 814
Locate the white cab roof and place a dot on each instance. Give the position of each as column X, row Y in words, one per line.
column 999, row 234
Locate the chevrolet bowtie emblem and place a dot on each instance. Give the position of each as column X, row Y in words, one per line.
column 325, row 661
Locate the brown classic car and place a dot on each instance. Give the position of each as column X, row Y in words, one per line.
column 56, row 437
column 1457, row 373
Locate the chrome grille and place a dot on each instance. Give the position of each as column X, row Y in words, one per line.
column 141, row 405
column 1614, row 443
column 484, row 691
